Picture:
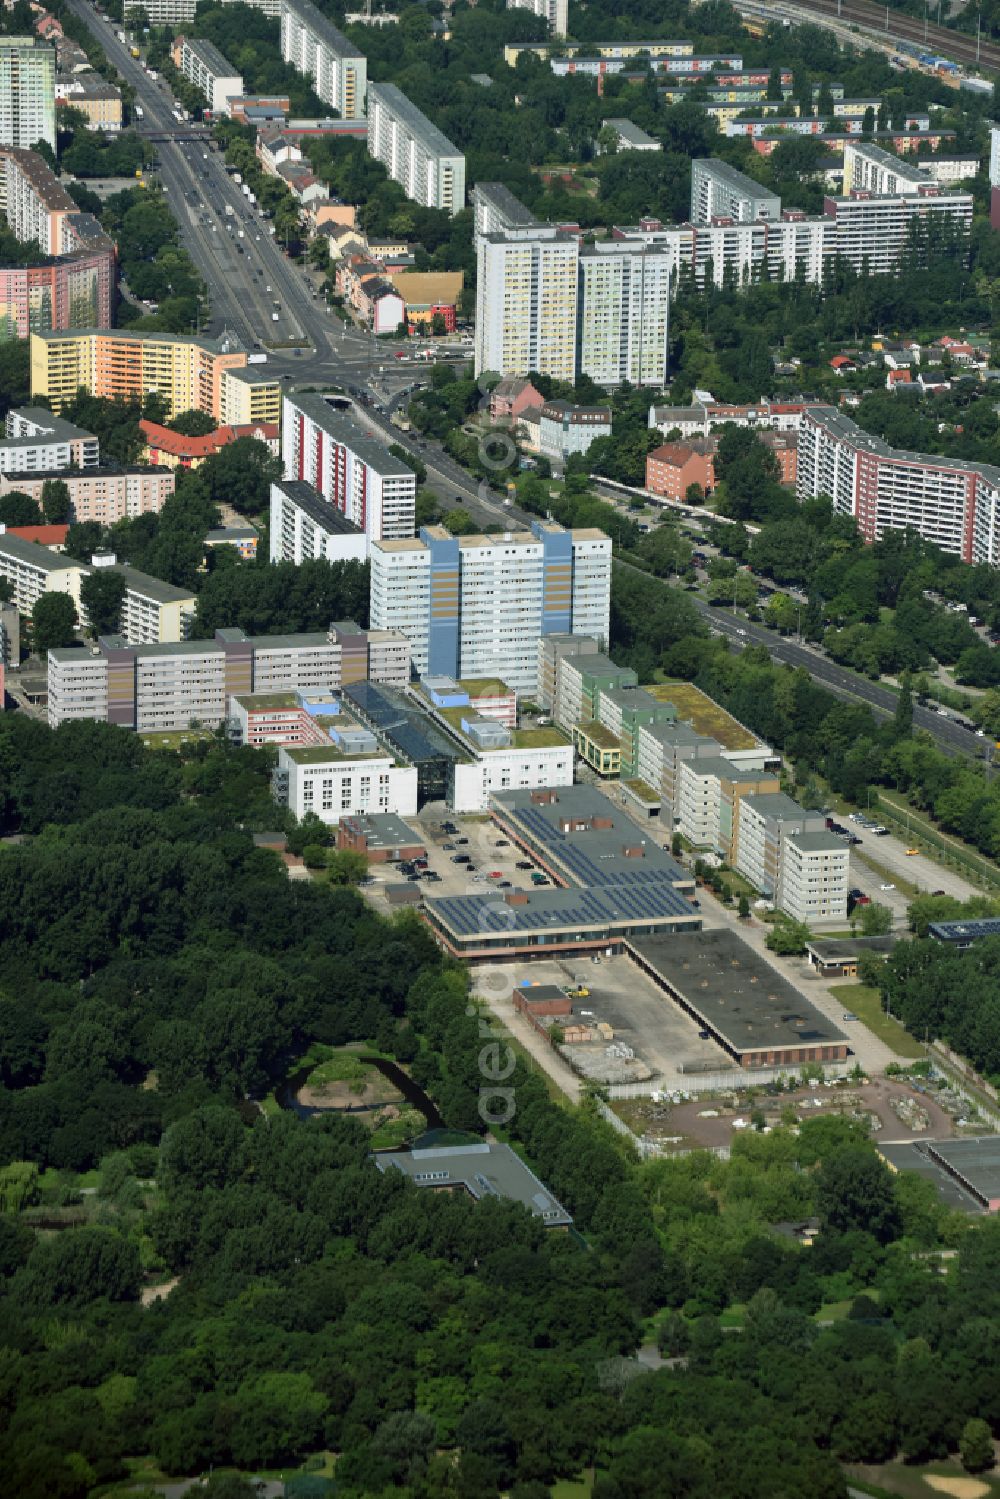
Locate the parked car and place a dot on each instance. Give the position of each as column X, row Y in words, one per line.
column 448, row 847
column 889, row 886
column 524, row 864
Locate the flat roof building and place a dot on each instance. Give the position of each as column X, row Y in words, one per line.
column 609, row 880
column 203, row 64
column 305, row 526
column 748, row 1007
column 415, row 153
column 314, row 47
column 27, row 92
column 629, row 137
column 962, row 934
column 481, row 1170
column 720, row 191
column 355, row 474
column 496, row 209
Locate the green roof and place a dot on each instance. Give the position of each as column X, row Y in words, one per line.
column 537, row 738
column 322, row 754
column 484, row 687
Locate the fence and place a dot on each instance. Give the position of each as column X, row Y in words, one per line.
column 736, row 1079
column 649, row 1149
column 915, row 825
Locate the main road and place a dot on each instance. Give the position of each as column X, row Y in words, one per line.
column 249, row 279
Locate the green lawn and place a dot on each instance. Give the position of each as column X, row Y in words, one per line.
column 867, row 1005
column 574, row 1488
column 910, row 1482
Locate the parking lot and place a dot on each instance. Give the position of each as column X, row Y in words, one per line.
column 492, row 860
column 889, row 851
column 662, row 1036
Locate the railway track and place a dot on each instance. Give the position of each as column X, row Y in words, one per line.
column 940, row 40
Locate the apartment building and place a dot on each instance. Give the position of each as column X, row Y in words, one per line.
column 552, row 650
column 565, row 429
column 33, row 200
column 874, row 231
column 578, row 679
column 99, row 101
column 27, row 92
column 152, row 611
column 526, row 302
column 624, row 312
column 789, row 856
column 192, row 374
column 413, row 151
column 104, row 495
column 164, row 687
column 305, row 526
column 659, row 51
column 203, row 65
column 473, row 605
column 314, row 46
column 719, row 191
column 724, row 252
column 37, row 441
column 699, row 419
column 496, row 209
column 166, row 448
column 355, row 474
column 556, row 12
column 949, row 501
column 867, row 168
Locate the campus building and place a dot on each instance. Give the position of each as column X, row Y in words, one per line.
column 466, row 603
column 191, row 374
column 609, row 881
column 413, row 151
column 203, row 64
column 481, row 1170
column 789, row 855
column 314, row 47
column 719, row 191
column 165, row 687
column 27, row 92
column 305, row 526
column 37, row 441
column 357, row 475
column 949, row 501
column 105, row 495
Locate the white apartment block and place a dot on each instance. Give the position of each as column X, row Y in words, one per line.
column 357, row 475
column 867, row 168
column 556, row 12
column 314, row 47
column 304, row 527
column 949, row 501
column 814, row 877
column 413, row 151
column 725, row 252
column 697, row 806
column 32, row 570
column 994, row 168
column 509, row 769
column 873, row 232
column 526, row 302
column 333, row 784
column 476, row 606
column 33, row 201
column 719, row 191
column 203, row 64
column 27, row 92
column 624, row 302
column 38, row 441
column 104, row 495
column 172, row 12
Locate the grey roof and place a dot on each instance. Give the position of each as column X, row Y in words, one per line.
column 209, row 54
column 384, row 830
column 678, row 732
column 733, row 178
column 343, row 430
column 975, row 1163
column 414, row 120
column 31, row 553
column 231, row 533
column 737, row 995
column 322, row 28
column 310, row 640
column 484, row 1170
column 309, row 500
column 818, row 843
column 503, row 200
column 907, row 169
column 148, row 586
column 631, row 134
column 915, row 1155
column 842, row 428
column 52, row 428
column 777, row 805
column 402, row 724
column 836, row 949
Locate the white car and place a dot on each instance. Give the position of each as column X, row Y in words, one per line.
column 887, row 887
